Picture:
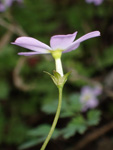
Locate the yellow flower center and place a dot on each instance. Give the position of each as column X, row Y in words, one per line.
column 56, row 53
column 87, row 97
column 57, row 56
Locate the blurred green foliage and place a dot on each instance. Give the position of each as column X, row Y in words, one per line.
column 71, row 108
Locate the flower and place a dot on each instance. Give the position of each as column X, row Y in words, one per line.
column 88, row 97
column 4, row 4
column 58, row 44
column 96, row 2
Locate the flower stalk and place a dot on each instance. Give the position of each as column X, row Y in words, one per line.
column 55, row 119
column 59, row 68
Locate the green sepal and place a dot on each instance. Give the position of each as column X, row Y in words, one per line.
column 58, row 79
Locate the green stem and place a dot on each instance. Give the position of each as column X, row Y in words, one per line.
column 55, row 120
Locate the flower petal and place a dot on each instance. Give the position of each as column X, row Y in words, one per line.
column 76, row 44
column 97, row 90
column 8, row 2
column 86, row 89
column 93, row 102
column 71, row 48
column 62, row 41
column 32, row 44
column 98, row 2
column 2, row 8
column 30, row 53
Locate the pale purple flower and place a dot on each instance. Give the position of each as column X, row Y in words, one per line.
column 4, row 4
column 2, row 7
column 64, row 43
column 58, row 44
column 88, row 97
column 96, row 2
column 97, row 90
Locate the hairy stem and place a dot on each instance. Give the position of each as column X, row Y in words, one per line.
column 55, row 120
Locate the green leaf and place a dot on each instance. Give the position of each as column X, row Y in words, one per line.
column 67, row 113
column 38, row 135
column 77, row 124
column 74, row 101
column 80, row 124
column 42, row 131
column 31, row 143
column 68, row 132
column 51, row 107
column 93, row 117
